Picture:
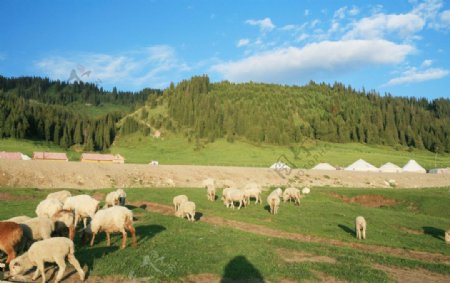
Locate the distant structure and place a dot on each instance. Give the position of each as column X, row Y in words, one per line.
column 279, row 166
column 324, row 166
column 102, row 158
column 56, row 156
column 13, row 155
column 440, row 171
column 414, row 167
column 362, row 166
column 154, row 163
column 390, row 168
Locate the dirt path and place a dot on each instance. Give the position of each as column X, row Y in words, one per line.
column 77, row 175
column 265, row 231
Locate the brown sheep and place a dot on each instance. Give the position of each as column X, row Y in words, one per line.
column 10, row 237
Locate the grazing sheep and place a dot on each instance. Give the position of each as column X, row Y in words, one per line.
column 252, row 190
column 292, row 193
column 64, row 219
column 224, row 192
column 360, row 227
column 306, row 190
column 48, row 207
column 447, row 236
column 211, row 192
column 11, row 235
column 61, row 195
column 115, row 198
column 178, row 200
column 274, row 200
column 186, row 209
column 49, row 250
column 84, row 206
column 38, row 228
column 235, row 195
column 19, row 219
column 122, row 196
column 111, row 220
column 209, row 182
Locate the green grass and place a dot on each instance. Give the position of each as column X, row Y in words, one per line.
column 28, row 147
column 170, row 248
column 97, row 111
column 177, row 150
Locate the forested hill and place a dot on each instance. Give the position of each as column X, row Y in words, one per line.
column 267, row 113
column 41, row 109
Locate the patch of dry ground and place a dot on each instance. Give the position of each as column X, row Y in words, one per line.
column 413, row 275
column 367, row 200
column 77, row 175
column 4, row 196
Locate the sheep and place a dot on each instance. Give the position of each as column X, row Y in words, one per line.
column 186, row 209
column 211, row 193
column 360, row 227
column 209, row 182
column 111, row 220
column 252, row 190
column 64, row 219
column 234, row 195
column 274, row 200
column 11, row 235
column 38, row 228
column 292, row 193
column 19, row 219
column 447, row 236
column 84, row 206
column 178, row 200
column 48, row 207
column 49, row 250
column 61, row 195
column 224, row 192
column 306, row 190
column 115, row 197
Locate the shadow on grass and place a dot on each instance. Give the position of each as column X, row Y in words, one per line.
column 347, row 229
column 146, row 232
column 267, row 207
column 239, row 269
column 435, row 232
column 87, row 256
column 198, row 216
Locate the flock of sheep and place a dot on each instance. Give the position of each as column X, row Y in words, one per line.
column 58, row 215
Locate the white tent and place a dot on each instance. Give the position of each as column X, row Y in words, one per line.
column 279, row 166
column 25, row 157
column 362, row 166
column 390, row 168
column 414, row 167
column 323, row 166
column 440, row 171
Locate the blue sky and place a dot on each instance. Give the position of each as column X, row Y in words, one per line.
column 401, row 47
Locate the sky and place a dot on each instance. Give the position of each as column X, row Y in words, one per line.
column 397, row 47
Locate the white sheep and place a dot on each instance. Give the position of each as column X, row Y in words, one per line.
column 48, row 207
column 84, row 206
column 186, row 209
column 111, row 220
column 224, row 192
column 178, row 200
column 234, row 195
column 274, row 200
column 252, row 190
column 38, row 228
column 49, row 250
column 211, row 193
column 19, row 219
column 115, row 198
column 292, row 193
column 61, row 195
column 447, row 236
column 65, row 219
column 360, row 227
column 209, row 182
column 306, row 190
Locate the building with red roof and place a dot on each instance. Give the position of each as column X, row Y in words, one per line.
column 58, row 156
column 102, row 158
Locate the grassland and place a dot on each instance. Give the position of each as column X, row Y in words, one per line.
column 171, row 248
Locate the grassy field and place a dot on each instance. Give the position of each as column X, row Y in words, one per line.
column 177, row 150
column 170, row 248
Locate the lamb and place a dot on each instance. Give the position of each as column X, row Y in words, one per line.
column 61, row 195
column 447, row 236
column 49, row 250
column 292, row 193
column 48, row 207
column 186, row 209
column 211, row 193
column 234, row 195
column 274, row 200
column 11, row 235
column 38, row 228
column 84, row 206
column 64, row 219
column 111, row 220
column 178, row 200
column 19, row 219
column 252, row 190
column 306, row 190
column 115, row 198
column 360, row 227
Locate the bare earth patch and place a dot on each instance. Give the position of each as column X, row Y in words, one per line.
column 295, row 256
column 201, row 278
column 367, row 200
column 413, row 275
column 4, row 196
column 412, row 231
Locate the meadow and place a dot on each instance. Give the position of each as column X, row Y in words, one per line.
column 226, row 244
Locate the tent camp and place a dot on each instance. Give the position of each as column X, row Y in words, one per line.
column 414, row 167
column 390, row 168
column 279, row 166
column 323, row 166
column 440, row 171
column 362, row 166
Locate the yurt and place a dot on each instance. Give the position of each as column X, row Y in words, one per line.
column 361, row 166
column 413, row 167
column 323, row 166
column 440, row 171
column 390, row 168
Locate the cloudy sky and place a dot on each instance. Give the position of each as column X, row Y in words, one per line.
column 400, row 47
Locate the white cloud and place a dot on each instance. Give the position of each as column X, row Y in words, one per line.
column 427, row 63
column 302, row 37
column 306, row 13
column 413, row 75
column 340, row 13
column 264, row 24
column 445, row 17
column 353, row 11
column 243, row 42
column 153, row 66
column 294, row 64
